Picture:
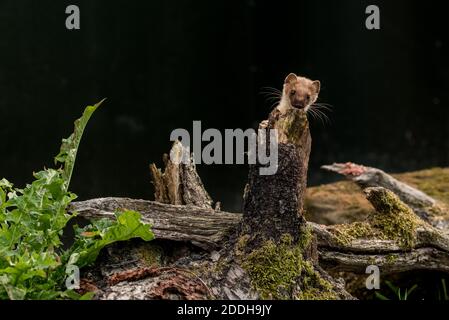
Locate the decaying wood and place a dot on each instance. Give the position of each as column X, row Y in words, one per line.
column 420, row 259
column 205, row 229
column 179, row 183
column 200, row 226
column 367, row 177
column 273, row 209
column 426, row 238
column 273, row 204
column 422, row 204
column 430, row 250
column 155, row 283
column 344, row 201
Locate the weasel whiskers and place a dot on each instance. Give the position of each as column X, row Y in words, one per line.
column 317, row 111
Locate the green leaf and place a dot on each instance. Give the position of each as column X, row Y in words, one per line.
column 33, row 263
column 409, row 291
column 69, row 147
column 70, row 294
column 5, row 188
column 381, row 296
column 127, row 226
column 87, row 296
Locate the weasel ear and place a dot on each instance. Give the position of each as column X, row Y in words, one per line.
column 290, row 77
column 316, row 85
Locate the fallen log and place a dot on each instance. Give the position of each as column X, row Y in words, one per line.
column 206, row 229
column 269, row 251
column 367, row 177
column 420, row 259
column 200, row 226
column 425, row 206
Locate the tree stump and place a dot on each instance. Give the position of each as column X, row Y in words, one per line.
column 273, row 204
column 179, row 183
column 274, row 255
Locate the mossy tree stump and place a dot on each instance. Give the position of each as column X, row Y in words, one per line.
column 275, row 247
column 273, row 204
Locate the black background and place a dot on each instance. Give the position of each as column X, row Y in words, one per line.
column 163, row 64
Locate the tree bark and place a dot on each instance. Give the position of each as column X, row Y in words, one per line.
column 179, row 183
column 273, row 204
column 203, row 228
column 200, row 226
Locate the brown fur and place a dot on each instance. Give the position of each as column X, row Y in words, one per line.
column 298, row 92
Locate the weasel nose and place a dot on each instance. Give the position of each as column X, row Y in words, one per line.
column 298, row 103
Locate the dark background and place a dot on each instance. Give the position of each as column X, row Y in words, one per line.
column 163, row 64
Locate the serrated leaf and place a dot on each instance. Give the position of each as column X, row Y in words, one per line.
column 69, row 147
column 127, row 226
column 32, row 221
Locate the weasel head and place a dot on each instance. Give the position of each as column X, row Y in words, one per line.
column 299, row 92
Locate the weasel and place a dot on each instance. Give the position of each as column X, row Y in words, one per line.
column 298, row 92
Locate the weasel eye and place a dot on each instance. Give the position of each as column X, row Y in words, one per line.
column 292, row 92
column 308, row 97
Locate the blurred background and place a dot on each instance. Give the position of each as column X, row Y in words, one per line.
column 163, row 64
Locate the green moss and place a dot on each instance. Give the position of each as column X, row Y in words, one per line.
column 392, row 221
column 391, row 258
column 313, row 286
column 316, row 294
column 346, row 233
column 305, row 237
column 293, row 125
column 275, row 269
